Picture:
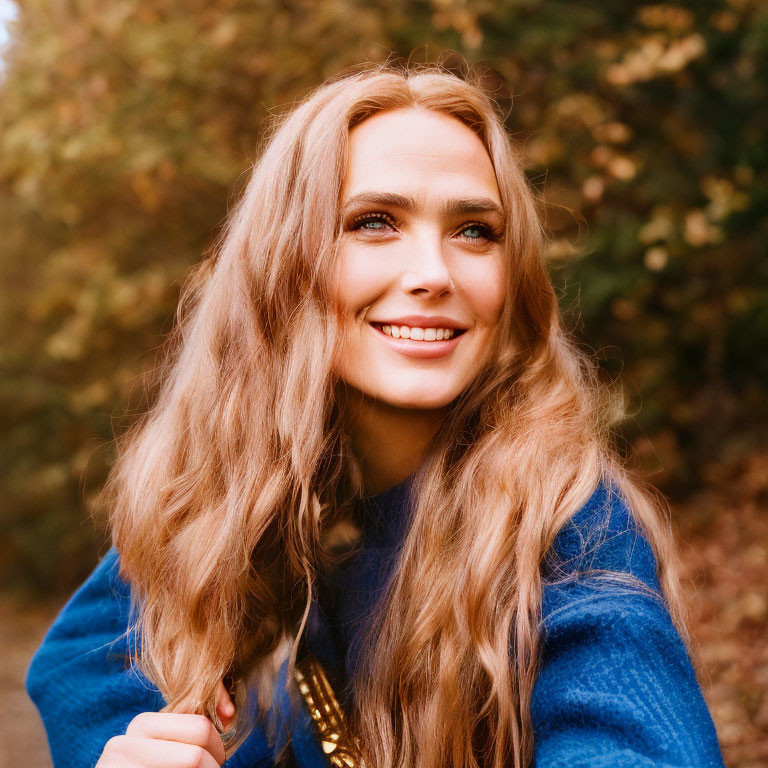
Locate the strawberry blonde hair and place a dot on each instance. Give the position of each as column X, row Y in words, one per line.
column 225, row 492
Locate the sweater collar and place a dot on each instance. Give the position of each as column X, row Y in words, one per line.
column 386, row 515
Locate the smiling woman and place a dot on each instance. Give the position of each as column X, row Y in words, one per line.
column 375, row 516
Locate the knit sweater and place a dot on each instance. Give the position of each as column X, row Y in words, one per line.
column 615, row 688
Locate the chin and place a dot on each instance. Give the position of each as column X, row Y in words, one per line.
column 420, row 405
column 420, row 400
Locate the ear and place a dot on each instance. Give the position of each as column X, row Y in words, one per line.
column 225, row 708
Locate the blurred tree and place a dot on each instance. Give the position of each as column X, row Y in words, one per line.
column 127, row 127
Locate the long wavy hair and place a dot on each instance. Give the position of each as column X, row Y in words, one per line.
column 225, row 493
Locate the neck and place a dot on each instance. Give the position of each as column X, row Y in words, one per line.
column 388, row 442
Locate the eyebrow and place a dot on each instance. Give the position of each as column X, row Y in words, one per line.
column 453, row 207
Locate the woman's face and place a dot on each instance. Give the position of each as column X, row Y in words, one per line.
column 420, row 256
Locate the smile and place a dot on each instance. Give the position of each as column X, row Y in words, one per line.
column 417, row 333
column 418, row 342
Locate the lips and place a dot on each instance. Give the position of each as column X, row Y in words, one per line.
column 417, row 348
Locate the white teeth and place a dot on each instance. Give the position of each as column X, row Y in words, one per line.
column 418, row 334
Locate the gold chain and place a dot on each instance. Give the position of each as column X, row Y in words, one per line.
column 335, row 740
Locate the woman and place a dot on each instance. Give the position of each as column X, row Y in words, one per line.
column 377, row 461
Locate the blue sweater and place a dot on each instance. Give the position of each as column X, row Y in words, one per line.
column 616, row 686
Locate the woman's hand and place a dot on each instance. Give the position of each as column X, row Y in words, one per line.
column 170, row 740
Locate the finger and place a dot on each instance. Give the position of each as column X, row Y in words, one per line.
column 194, row 730
column 154, row 753
column 225, row 708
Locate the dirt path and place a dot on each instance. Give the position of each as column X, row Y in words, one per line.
column 726, row 560
column 22, row 737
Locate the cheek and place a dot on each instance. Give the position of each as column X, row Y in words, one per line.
column 485, row 288
column 357, row 285
column 358, row 282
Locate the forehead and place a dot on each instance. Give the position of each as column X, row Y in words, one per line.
column 418, row 152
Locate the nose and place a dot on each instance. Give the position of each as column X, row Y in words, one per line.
column 428, row 273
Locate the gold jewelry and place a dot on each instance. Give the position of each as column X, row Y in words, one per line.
column 341, row 747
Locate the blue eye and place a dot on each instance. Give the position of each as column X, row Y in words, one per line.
column 485, row 232
column 369, row 219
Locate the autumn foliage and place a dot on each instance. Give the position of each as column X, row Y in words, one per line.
column 126, row 127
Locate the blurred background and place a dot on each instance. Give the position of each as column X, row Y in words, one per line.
column 127, row 128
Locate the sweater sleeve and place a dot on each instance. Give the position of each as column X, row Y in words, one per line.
column 83, row 685
column 616, row 685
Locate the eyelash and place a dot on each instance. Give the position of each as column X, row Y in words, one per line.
column 490, row 234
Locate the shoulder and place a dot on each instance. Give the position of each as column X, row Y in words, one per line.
column 92, row 626
column 103, row 601
column 600, row 549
